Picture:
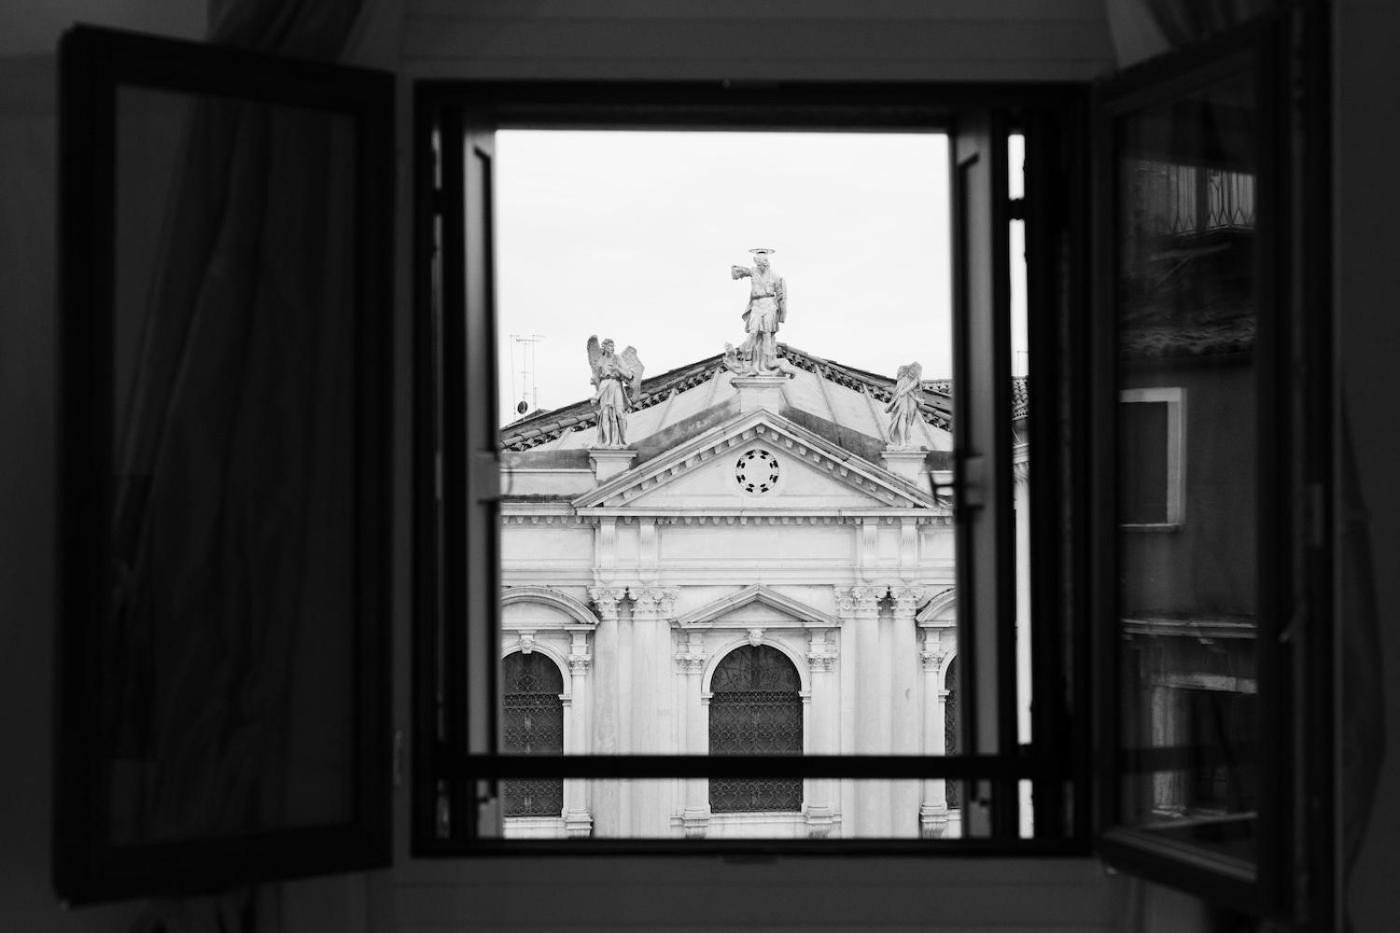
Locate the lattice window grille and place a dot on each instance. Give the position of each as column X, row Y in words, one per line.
column 755, row 708
column 532, row 723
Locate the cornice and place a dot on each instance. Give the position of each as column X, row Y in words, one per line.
column 879, row 484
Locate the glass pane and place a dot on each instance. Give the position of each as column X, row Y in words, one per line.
column 1187, row 318
column 229, row 648
column 691, row 529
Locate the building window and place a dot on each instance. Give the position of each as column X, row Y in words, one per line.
column 533, row 723
column 756, row 710
column 952, row 731
column 1152, row 464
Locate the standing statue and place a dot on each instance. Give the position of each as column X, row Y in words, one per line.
column 619, row 382
column 903, row 407
column 767, row 308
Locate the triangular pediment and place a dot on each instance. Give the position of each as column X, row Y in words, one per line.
column 756, row 606
column 757, row 461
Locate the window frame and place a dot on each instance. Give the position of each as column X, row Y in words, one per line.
column 1174, row 397
column 88, row 867
column 463, row 113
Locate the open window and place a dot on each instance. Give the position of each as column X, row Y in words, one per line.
column 224, row 508
column 909, row 703
column 1211, row 596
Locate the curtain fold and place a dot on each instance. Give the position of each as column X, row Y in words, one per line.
column 228, row 661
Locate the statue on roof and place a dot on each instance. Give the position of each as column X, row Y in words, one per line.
column 903, row 406
column 766, row 310
column 619, row 385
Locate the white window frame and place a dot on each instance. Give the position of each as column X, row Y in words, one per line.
column 1175, row 399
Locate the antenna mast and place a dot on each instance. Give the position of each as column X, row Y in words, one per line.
column 529, row 390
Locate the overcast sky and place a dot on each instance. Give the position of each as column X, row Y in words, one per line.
column 630, row 235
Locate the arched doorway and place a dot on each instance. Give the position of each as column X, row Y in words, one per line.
column 533, row 724
column 755, row 709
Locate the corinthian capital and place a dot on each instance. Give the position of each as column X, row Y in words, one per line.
column 606, row 599
column 858, row 600
column 653, row 600
column 906, row 600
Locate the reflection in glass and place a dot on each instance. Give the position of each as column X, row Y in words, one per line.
column 1187, row 308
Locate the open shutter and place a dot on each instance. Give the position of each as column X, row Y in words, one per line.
column 982, row 460
column 1211, row 402
column 225, row 485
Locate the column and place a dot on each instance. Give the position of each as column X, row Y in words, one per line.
column 905, row 736
column 859, row 607
column 690, row 666
column 933, row 810
column 606, row 700
column 577, row 820
column 649, row 703
column 824, row 729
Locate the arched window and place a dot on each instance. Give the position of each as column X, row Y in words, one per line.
column 952, row 730
column 755, row 709
column 533, row 724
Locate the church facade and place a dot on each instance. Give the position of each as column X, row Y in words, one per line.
column 759, row 570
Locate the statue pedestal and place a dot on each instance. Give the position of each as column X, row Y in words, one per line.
column 907, row 463
column 759, row 392
column 607, row 462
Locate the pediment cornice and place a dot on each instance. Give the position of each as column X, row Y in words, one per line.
column 712, row 615
column 885, row 489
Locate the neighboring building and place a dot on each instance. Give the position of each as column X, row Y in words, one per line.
column 758, row 571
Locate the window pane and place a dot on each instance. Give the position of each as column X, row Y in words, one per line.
column 1187, row 319
column 737, row 549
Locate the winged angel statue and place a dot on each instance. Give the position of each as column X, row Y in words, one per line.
column 903, row 407
column 619, row 382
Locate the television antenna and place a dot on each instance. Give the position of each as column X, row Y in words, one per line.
column 529, row 391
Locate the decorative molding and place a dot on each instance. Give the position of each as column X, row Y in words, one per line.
column 858, row 601
column 606, row 598
column 939, row 611
column 690, row 653
column 672, row 516
column 695, row 821
column 711, row 615
column 820, row 821
column 932, row 653
column 906, row 600
column 652, row 601
column 578, row 824
column 578, row 612
column 822, row 652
